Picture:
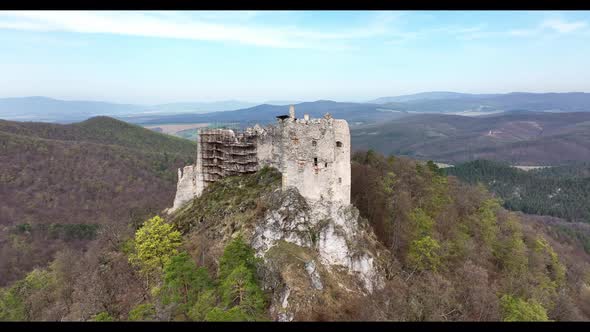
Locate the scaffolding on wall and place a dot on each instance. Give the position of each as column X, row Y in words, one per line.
column 227, row 152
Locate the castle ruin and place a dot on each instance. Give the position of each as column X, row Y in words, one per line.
column 313, row 155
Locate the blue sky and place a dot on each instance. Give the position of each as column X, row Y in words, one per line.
column 158, row 57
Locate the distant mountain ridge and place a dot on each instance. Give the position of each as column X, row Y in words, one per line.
column 378, row 110
column 265, row 113
column 434, row 95
column 449, row 102
column 282, row 102
column 444, row 95
column 202, row 107
column 54, row 110
column 67, row 111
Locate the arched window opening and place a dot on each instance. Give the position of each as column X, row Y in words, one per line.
column 339, row 144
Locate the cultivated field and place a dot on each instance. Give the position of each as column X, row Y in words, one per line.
column 173, row 129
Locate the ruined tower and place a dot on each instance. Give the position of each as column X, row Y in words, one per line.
column 313, row 156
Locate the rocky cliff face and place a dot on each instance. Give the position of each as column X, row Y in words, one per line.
column 186, row 188
column 313, row 249
column 315, row 255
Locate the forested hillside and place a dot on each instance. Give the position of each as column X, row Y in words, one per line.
column 557, row 191
column 60, row 183
column 459, row 255
column 519, row 137
column 450, row 250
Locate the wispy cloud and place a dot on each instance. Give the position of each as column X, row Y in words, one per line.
column 140, row 24
column 552, row 25
column 470, row 33
column 563, row 27
column 263, row 28
column 202, row 26
column 452, row 31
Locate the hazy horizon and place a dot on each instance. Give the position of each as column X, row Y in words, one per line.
column 272, row 101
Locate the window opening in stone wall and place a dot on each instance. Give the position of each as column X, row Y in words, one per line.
column 339, row 144
column 325, row 164
column 315, row 161
column 340, row 180
column 314, row 143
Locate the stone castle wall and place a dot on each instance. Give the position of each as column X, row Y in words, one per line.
column 313, row 156
column 316, row 158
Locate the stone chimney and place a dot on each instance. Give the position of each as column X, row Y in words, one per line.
column 292, row 112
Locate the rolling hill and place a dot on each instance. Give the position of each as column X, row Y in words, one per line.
column 59, row 184
column 520, row 138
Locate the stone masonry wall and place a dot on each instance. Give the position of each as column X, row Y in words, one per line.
column 316, row 158
column 313, row 156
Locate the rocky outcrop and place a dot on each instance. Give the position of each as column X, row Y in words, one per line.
column 317, row 256
column 186, row 188
column 323, row 239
